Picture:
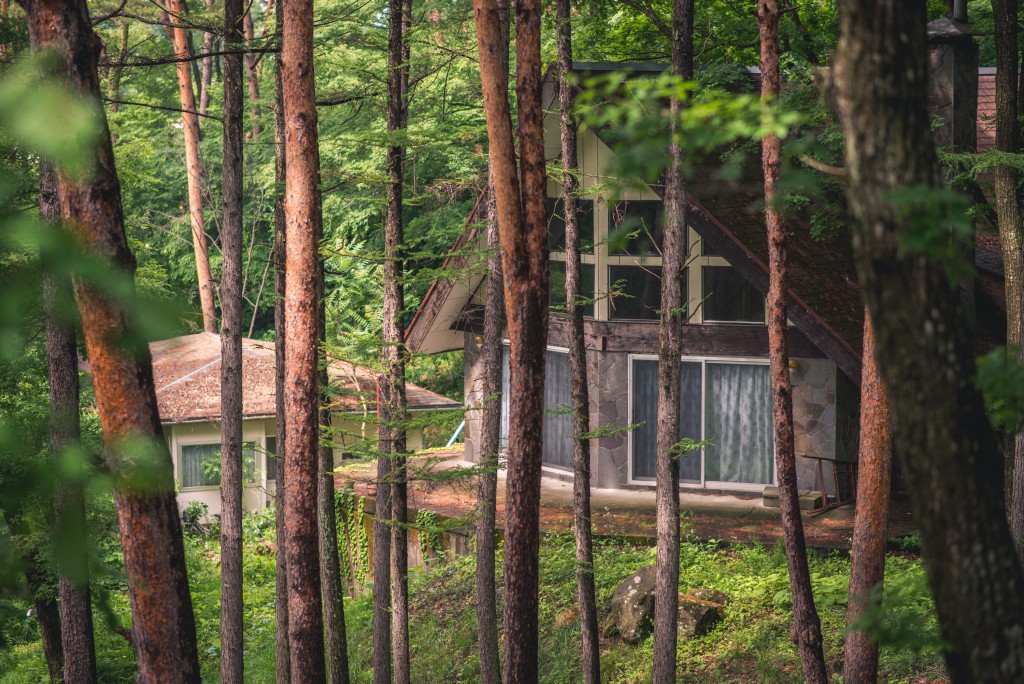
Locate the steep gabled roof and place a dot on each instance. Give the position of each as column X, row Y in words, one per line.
column 824, row 296
column 186, row 373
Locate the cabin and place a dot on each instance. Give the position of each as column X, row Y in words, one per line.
column 186, row 374
column 726, row 396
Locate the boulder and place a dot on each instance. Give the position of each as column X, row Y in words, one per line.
column 631, row 608
column 697, row 616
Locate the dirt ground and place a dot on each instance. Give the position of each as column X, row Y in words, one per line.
column 444, row 484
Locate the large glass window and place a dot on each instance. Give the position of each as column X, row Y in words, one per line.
column 645, row 412
column 556, row 224
column 556, row 294
column 635, row 292
column 726, row 403
column 738, row 403
column 728, row 297
column 557, row 440
column 200, row 464
column 637, row 228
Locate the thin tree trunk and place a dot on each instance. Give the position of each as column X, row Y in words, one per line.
column 190, row 122
column 806, row 631
column 282, row 657
column 670, row 350
column 163, row 628
column 302, row 287
column 1008, row 200
column 252, row 79
column 392, row 430
column 590, row 643
column 207, row 74
column 523, row 231
column 44, row 603
column 114, row 85
column 231, row 292
column 947, row 450
column 870, row 527
column 330, row 567
column 490, row 435
column 382, row 552
column 65, row 431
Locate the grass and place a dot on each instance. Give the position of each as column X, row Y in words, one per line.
column 750, row 645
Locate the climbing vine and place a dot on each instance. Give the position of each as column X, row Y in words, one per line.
column 352, row 537
column 430, row 537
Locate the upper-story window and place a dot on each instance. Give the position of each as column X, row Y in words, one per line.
column 728, row 297
column 556, row 224
column 637, row 228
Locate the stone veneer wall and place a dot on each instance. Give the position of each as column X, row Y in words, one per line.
column 609, row 372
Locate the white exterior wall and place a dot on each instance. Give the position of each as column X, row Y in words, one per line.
column 349, row 431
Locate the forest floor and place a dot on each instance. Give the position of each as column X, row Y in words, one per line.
column 436, row 486
column 751, row 644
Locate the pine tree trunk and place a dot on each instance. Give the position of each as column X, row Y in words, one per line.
column 301, row 395
column 282, row 658
column 490, row 429
column 44, row 602
column 524, row 263
column 330, row 567
column 590, row 643
column 670, row 351
column 190, row 123
column 251, row 77
column 163, row 628
column 231, row 293
column 382, row 550
column 65, row 431
column 207, row 76
column 114, row 85
column 947, row 450
column 490, row 437
column 806, row 629
column 1008, row 200
column 393, row 352
column 870, row 527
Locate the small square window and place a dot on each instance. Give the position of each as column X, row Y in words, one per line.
column 556, row 225
column 636, row 292
column 556, row 293
column 728, row 297
column 637, row 228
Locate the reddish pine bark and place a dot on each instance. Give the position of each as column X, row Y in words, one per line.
column 193, row 165
column 301, row 395
column 231, row 608
column 870, row 527
column 206, row 79
column 947, row 450
column 490, row 429
column 76, row 627
column 523, row 237
column 806, row 624
column 590, row 643
column 163, row 628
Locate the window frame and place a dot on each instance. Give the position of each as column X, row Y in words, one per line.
column 196, row 440
column 704, row 482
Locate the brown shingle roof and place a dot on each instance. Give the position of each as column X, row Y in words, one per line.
column 186, row 373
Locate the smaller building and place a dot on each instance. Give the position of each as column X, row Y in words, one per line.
column 186, row 374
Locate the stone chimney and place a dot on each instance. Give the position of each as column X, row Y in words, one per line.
column 953, row 80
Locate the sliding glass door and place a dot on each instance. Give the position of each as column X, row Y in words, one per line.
column 557, row 441
column 727, row 403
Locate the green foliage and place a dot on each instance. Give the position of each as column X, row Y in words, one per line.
column 353, row 541
column 1001, row 380
column 935, row 224
column 430, row 540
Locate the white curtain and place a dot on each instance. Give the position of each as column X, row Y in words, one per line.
column 739, row 421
